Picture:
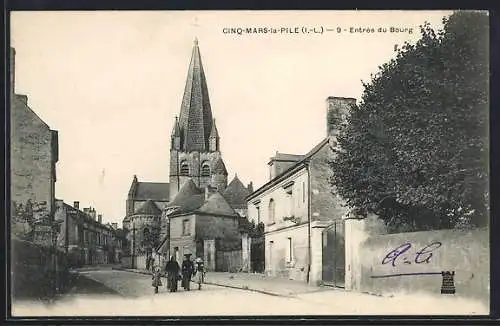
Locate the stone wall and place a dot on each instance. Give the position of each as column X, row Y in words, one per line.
column 368, row 260
column 277, row 253
column 325, row 205
column 33, row 156
column 195, row 161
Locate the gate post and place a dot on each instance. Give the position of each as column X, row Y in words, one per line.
column 354, row 236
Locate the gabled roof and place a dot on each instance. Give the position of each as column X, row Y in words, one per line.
column 148, row 208
column 291, row 169
column 189, row 198
column 155, row 191
column 216, row 204
column 195, row 119
column 220, row 167
column 236, row 193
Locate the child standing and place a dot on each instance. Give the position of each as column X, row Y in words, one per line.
column 156, row 278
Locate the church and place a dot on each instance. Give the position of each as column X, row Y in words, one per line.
column 196, row 212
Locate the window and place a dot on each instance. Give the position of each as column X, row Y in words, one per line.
column 186, row 227
column 271, row 211
column 303, row 192
column 205, row 169
column 145, row 233
column 258, row 214
column 290, row 249
column 184, row 168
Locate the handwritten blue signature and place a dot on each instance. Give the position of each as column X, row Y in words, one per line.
column 422, row 256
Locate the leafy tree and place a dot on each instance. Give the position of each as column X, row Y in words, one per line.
column 415, row 150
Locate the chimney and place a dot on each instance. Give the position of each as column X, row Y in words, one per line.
column 76, row 204
column 12, row 70
column 337, row 110
column 114, row 225
column 250, row 187
column 99, row 218
column 93, row 213
column 86, row 210
column 209, row 190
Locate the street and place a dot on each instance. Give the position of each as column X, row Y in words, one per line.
column 108, row 292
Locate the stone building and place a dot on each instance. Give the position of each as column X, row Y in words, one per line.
column 143, row 232
column 195, row 143
column 33, row 157
column 140, row 192
column 84, row 236
column 298, row 204
column 203, row 215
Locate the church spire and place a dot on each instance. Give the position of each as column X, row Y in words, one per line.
column 195, row 120
column 213, row 140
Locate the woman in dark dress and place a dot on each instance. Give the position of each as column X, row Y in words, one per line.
column 172, row 268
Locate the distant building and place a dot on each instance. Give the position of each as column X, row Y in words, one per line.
column 143, row 230
column 140, row 192
column 33, row 158
column 298, row 203
column 85, row 238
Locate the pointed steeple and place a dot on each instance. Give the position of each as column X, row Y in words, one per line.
column 176, row 130
column 213, row 140
column 195, row 120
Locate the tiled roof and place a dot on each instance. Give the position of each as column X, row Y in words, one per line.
column 236, row 193
column 216, row 204
column 148, row 208
column 155, row 191
column 220, row 167
column 195, row 120
column 189, row 198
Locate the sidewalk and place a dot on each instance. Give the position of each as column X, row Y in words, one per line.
column 276, row 286
column 253, row 282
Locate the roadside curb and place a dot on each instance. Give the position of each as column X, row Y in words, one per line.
column 250, row 289
column 131, row 271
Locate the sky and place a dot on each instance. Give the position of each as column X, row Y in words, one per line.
column 111, row 83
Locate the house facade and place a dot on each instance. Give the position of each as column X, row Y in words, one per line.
column 84, row 237
column 298, row 204
column 33, row 157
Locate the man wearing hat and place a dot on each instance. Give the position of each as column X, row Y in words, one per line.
column 187, row 271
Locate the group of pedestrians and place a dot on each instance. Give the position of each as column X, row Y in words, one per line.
column 175, row 273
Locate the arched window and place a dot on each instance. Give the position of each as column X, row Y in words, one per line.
column 205, row 169
column 272, row 209
column 184, row 168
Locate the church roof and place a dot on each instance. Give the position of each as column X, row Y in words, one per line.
column 195, row 120
column 156, row 191
column 148, row 208
column 216, row 204
column 189, row 198
column 236, row 193
column 220, row 167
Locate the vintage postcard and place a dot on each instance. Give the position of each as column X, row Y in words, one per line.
column 249, row 163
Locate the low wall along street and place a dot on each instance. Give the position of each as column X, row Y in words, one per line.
column 37, row 271
column 413, row 262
